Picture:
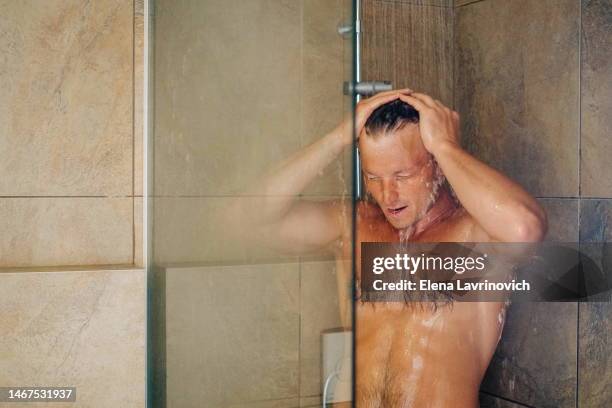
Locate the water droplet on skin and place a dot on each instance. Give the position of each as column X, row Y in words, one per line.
column 431, row 321
column 417, row 362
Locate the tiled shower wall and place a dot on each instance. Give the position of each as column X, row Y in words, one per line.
column 71, row 134
column 71, row 171
column 530, row 80
column 234, row 96
column 532, row 86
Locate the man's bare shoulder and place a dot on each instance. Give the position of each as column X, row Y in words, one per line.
column 466, row 228
column 461, row 226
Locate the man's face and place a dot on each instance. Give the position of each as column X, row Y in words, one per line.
column 399, row 173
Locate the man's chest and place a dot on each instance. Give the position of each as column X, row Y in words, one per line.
column 454, row 229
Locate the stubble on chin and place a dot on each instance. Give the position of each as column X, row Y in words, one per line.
column 434, row 192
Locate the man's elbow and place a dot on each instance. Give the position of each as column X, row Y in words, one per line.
column 532, row 227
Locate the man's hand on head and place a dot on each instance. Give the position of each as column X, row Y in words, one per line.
column 438, row 124
column 363, row 110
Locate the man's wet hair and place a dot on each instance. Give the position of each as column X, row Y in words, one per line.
column 391, row 116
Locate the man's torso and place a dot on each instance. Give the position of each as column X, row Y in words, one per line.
column 413, row 356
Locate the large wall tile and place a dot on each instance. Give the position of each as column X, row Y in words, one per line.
column 595, row 355
column 595, row 345
column 232, row 334
column 410, row 45
column 228, row 93
column 319, row 311
column 191, row 230
column 595, row 241
column 323, row 101
column 535, row 362
column 81, row 329
column 66, row 98
column 66, row 231
column 596, row 220
column 517, row 89
column 596, row 93
column 563, row 219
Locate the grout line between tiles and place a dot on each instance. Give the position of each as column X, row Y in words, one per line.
column 133, row 130
column 471, row 2
column 301, row 145
column 506, row 399
column 68, row 196
column 579, row 190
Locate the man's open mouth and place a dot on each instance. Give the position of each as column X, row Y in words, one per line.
column 397, row 210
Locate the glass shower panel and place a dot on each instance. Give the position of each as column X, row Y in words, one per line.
column 249, row 300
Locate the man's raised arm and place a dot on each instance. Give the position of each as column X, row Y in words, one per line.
column 502, row 209
column 272, row 210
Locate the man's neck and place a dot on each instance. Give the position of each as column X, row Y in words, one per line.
column 442, row 208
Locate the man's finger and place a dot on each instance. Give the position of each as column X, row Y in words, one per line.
column 428, row 100
column 380, row 99
column 392, row 91
column 385, row 94
column 417, row 103
column 440, row 105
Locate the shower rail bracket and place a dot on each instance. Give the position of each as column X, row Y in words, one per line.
column 366, row 88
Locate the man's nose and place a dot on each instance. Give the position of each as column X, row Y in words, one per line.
column 389, row 192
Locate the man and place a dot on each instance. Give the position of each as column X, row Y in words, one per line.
column 411, row 158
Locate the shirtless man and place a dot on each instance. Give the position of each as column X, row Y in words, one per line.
column 409, row 145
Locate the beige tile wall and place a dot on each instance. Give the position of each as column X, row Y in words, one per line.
column 44, row 231
column 84, row 329
column 70, row 138
column 70, row 194
column 218, row 125
column 248, row 336
column 228, row 106
column 232, row 334
column 227, row 93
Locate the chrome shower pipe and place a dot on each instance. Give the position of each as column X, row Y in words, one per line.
column 359, row 89
column 366, row 88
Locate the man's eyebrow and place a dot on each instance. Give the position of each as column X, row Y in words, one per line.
column 408, row 170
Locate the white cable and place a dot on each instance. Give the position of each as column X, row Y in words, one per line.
column 327, row 381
